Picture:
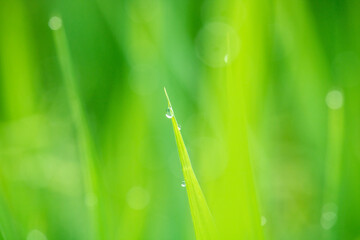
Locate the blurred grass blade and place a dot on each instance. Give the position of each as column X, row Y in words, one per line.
column 204, row 225
column 84, row 138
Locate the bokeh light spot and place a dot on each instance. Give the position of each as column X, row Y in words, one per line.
column 217, row 44
column 90, row 200
column 36, row 235
column 263, row 220
column 329, row 216
column 138, row 198
column 334, row 99
column 55, row 23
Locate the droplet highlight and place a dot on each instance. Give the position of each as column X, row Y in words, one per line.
column 169, row 112
column 183, row 184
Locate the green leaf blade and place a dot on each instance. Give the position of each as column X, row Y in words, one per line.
column 204, row 225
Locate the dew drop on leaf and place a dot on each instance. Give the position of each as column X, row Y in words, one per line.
column 169, row 112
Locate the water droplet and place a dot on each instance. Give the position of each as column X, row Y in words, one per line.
column 183, row 184
column 169, row 112
column 263, row 220
column 217, row 44
column 55, row 23
column 334, row 99
column 138, row 198
column 35, row 235
column 179, row 127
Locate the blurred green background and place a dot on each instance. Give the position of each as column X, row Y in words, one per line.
column 267, row 94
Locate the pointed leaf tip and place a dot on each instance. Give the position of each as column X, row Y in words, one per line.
column 167, row 97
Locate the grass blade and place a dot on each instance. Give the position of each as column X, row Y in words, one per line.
column 204, row 225
column 85, row 142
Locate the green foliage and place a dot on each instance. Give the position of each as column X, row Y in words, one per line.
column 203, row 221
column 269, row 106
